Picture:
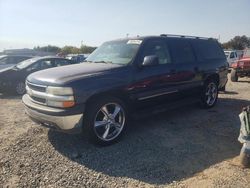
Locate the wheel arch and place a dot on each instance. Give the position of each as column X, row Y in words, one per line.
column 121, row 95
column 213, row 76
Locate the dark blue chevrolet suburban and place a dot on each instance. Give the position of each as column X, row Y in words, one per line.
column 126, row 77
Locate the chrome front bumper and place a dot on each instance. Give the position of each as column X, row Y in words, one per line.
column 71, row 124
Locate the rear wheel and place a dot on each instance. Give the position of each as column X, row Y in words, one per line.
column 209, row 94
column 20, row 88
column 234, row 76
column 105, row 121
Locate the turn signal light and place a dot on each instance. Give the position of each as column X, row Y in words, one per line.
column 67, row 104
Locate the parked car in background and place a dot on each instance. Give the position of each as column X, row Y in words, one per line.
column 11, row 60
column 241, row 68
column 126, row 77
column 232, row 56
column 12, row 79
column 76, row 58
column 246, row 53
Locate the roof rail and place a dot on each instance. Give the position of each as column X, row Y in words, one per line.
column 183, row 36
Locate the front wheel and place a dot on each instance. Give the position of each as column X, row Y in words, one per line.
column 105, row 120
column 209, row 94
column 20, row 88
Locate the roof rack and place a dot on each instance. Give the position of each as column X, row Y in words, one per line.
column 184, row 36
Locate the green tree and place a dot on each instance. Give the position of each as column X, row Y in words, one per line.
column 70, row 50
column 86, row 49
column 49, row 48
column 238, row 43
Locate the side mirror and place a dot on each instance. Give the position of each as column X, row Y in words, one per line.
column 150, row 60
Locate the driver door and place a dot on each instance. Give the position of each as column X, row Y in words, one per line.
column 154, row 83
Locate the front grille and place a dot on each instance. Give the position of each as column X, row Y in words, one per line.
column 36, row 87
column 36, row 92
column 37, row 99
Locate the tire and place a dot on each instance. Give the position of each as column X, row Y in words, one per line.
column 209, row 94
column 234, row 76
column 223, row 88
column 245, row 160
column 105, row 121
column 20, row 88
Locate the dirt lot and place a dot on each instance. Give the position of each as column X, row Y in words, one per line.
column 188, row 147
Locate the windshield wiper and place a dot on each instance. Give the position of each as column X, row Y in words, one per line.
column 107, row 62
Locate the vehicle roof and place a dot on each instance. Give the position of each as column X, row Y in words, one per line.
column 162, row 36
column 229, row 50
column 47, row 57
column 15, row 55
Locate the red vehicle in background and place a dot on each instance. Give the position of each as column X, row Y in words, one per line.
column 241, row 67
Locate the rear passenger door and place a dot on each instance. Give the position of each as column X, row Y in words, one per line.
column 186, row 66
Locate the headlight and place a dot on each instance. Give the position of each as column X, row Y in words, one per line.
column 61, row 91
column 60, row 97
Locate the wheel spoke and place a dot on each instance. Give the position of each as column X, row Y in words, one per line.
column 208, row 99
column 106, row 132
column 117, row 126
column 116, row 111
column 100, row 123
column 104, row 110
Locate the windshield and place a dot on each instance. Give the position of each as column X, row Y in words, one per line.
column 3, row 60
column 227, row 54
column 116, row 52
column 25, row 63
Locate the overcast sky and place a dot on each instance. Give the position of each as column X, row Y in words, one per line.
column 28, row 23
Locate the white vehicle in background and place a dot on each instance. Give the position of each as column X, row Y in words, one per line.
column 232, row 56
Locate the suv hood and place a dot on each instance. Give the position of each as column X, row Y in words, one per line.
column 65, row 74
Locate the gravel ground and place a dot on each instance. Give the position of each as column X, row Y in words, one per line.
column 187, row 147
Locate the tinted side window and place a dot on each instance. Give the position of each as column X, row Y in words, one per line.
column 34, row 67
column 61, row 62
column 159, row 49
column 208, row 49
column 181, row 51
column 232, row 55
column 45, row 64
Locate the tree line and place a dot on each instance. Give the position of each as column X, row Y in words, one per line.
column 84, row 49
column 237, row 43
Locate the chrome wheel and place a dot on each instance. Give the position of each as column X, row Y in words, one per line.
column 211, row 93
column 109, row 121
column 20, row 88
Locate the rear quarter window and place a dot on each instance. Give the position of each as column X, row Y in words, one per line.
column 207, row 49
